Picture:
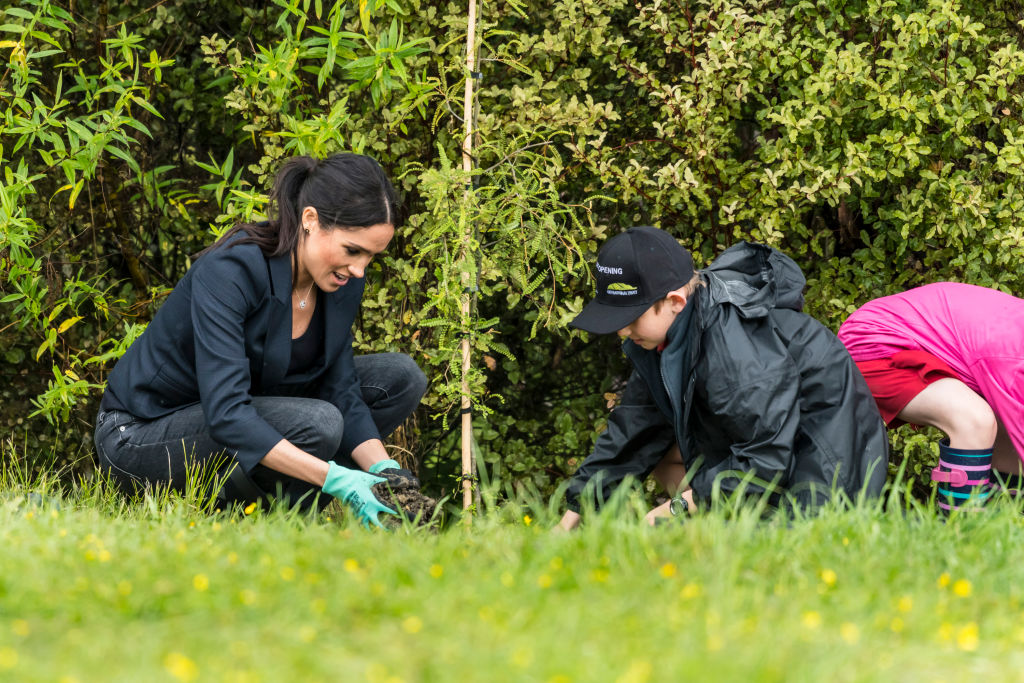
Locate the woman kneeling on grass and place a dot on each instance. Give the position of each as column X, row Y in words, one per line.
column 251, row 356
column 951, row 356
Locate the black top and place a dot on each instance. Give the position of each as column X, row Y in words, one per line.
column 308, row 349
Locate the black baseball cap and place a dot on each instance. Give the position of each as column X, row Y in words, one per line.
column 634, row 270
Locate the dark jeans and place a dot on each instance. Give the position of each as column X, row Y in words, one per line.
column 138, row 453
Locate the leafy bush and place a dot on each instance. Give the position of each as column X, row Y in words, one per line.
column 878, row 142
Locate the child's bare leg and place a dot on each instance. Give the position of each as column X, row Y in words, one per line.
column 670, row 472
column 957, row 410
column 965, row 460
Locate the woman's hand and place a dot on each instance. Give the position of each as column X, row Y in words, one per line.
column 354, row 488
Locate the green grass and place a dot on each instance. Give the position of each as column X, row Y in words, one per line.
column 96, row 590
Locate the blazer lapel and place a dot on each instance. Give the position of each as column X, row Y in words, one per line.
column 278, row 348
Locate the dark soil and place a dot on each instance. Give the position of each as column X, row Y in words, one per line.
column 408, row 501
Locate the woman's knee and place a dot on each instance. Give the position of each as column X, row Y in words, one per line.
column 415, row 379
column 319, row 430
column 394, row 376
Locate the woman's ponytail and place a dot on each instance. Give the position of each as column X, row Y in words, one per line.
column 287, row 198
column 348, row 191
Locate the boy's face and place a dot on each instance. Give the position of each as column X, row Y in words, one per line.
column 651, row 328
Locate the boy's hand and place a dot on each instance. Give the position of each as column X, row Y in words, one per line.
column 570, row 520
column 683, row 506
column 661, row 511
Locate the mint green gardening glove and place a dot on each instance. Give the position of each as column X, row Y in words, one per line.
column 398, row 477
column 353, row 487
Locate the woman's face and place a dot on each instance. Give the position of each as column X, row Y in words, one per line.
column 331, row 256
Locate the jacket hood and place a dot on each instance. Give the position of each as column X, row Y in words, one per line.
column 755, row 278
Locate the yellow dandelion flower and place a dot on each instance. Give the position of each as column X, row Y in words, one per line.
column 896, row 625
column 522, row 657
column 905, row 604
column 200, row 582
column 287, row 574
column 181, row 667
column 21, row 627
column 124, row 587
column 507, row 580
column 8, row 658
column 351, row 565
column 715, row 642
column 668, row 570
column 690, row 591
column 943, row 579
column 962, row 588
column 544, row 581
column 846, row 541
column 849, row 632
column 192, row 525
column 828, row 577
column 62, row 533
column 639, row 671
column 527, row 520
column 599, row 575
column 811, row 619
column 412, row 624
column 232, row 557
column 246, row 596
column 250, row 508
column 967, row 637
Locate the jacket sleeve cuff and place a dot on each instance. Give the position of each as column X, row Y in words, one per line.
column 359, row 427
column 256, row 438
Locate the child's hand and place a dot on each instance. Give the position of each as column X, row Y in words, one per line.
column 661, row 511
column 570, row 520
column 681, row 506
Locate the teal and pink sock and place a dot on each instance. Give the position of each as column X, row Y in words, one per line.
column 962, row 476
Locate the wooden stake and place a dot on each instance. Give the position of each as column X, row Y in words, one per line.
column 468, row 468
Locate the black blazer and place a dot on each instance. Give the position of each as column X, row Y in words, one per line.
column 223, row 336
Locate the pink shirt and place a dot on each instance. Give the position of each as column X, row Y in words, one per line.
column 978, row 332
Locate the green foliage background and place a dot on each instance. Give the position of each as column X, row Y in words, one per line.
column 879, row 143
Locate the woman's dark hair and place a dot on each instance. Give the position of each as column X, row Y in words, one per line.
column 348, row 191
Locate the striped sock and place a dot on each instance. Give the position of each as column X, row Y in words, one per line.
column 962, row 476
column 1010, row 484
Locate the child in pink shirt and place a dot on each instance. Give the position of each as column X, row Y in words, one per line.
column 949, row 355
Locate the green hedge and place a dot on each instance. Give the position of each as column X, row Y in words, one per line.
column 879, row 143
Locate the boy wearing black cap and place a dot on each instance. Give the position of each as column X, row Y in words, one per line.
column 732, row 382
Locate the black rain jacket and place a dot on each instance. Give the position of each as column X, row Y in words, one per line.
column 763, row 389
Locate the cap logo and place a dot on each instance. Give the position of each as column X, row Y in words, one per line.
column 622, row 289
column 609, row 271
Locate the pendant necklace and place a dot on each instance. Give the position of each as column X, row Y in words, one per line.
column 302, row 301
